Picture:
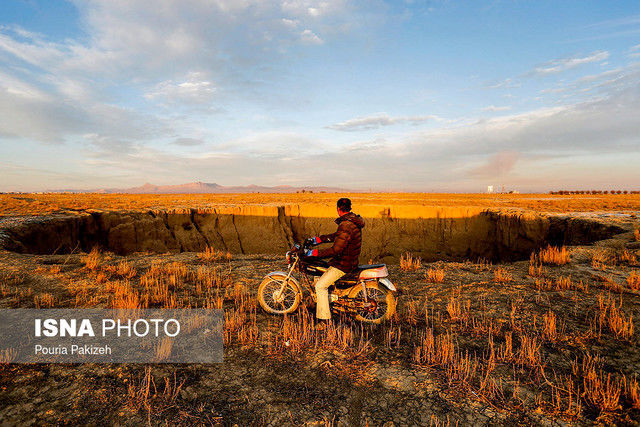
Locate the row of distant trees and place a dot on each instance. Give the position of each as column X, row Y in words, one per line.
column 595, row 192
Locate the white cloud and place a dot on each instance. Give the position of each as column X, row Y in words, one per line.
column 275, row 144
column 634, row 52
column 292, row 23
column 493, row 108
column 227, row 38
column 506, row 84
column 618, row 22
column 608, row 124
column 515, row 147
column 17, row 87
column 523, row 149
column 598, row 85
column 67, row 88
column 563, row 64
column 195, row 34
column 378, row 120
column 308, row 37
column 195, row 89
column 55, row 113
column 313, row 8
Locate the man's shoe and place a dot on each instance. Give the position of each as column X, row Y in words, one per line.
column 322, row 324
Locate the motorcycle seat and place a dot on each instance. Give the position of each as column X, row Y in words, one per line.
column 369, row 266
column 367, row 271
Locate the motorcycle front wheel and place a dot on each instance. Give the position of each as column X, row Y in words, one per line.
column 384, row 299
column 275, row 302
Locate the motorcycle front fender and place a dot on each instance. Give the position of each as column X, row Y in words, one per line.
column 284, row 274
column 387, row 284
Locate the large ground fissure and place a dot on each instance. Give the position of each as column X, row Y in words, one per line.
column 431, row 233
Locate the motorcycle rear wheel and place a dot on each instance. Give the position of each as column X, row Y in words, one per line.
column 385, row 300
column 287, row 303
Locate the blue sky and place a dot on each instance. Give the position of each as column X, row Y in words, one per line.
column 404, row 95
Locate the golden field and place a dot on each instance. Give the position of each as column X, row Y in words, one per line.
column 37, row 204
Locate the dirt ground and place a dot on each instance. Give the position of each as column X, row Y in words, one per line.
column 533, row 342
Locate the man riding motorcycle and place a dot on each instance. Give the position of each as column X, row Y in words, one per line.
column 344, row 253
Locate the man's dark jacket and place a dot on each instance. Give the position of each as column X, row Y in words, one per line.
column 347, row 242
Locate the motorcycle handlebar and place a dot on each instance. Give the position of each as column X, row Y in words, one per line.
column 306, row 244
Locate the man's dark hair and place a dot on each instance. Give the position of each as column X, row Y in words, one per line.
column 344, row 204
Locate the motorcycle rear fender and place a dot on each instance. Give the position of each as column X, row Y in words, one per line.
column 387, row 284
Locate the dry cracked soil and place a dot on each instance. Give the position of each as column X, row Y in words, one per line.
column 365, row 376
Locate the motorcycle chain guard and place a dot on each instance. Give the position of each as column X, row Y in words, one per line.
column 353, row 306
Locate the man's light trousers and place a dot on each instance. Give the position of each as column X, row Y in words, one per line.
column 322, row 294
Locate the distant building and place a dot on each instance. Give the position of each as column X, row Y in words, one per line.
column 490, row 189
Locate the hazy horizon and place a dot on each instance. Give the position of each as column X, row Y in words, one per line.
column 417, row 96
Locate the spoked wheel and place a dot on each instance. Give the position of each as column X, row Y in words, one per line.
column 380, row 304
column 273, row 300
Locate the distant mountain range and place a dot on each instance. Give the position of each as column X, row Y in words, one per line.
column 205, row 187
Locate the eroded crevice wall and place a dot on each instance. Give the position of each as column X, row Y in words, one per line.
column 432, row 233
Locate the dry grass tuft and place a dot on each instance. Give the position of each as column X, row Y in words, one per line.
column 626, row 257
column 144, row 394
column 600, row 260
column 411, row 313
column 440, row 349
column 297, row 336
column 410, row 263
column 634, row 280
column 611, row 315
column 163, row 349
column 550, row 326
column 45, row 300
column 632, row 390
column 436, row 422
column 458, row 310
column 10, row 279
column 529, row 354
column 501, row 275
column 8, row 355
column 125, row 270
column 552, row 255
column 602, row 393
column 435, row 275
column 210, row 254
column 124, row 296
column 636, row 234
column 565, row 283
column 535, row 268
column 93, row 259
column 505, row 351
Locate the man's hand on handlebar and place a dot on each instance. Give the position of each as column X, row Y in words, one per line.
column 312, row 241
column 310, row 252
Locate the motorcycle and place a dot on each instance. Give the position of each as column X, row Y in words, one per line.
column 365, row 293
